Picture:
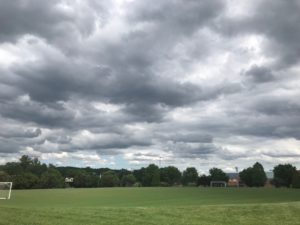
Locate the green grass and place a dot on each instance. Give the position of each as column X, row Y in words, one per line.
column 159, row 206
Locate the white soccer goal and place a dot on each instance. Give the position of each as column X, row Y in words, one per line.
column 218, row 184
column 5, row 190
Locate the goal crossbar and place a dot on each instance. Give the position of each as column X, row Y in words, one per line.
column 8, row 185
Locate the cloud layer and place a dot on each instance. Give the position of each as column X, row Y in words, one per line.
column 126, row 83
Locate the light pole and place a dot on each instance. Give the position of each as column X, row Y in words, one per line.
column 238, row 176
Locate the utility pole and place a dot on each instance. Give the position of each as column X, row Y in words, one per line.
column 238, row 176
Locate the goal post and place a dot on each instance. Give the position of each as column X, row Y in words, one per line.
column 5, row 190
column 218, row 184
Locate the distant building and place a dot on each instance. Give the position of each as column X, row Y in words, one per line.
column 69, row 179
column 234, row 179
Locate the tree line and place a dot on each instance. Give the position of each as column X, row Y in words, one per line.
column 29, row 173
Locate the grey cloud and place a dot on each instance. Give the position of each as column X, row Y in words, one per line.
column 9, row 146
column 278, row 24
column 51, row 20
column 192, row 150
column 143, row 64
column 146, row 112
column 30, row 111
column 281, row 155
column 176, row 16
column 108, row 144
column 259, row 74
column 28, row 17
column 226, row 154
column 20, row 133
column 59, row 138
column 189, row 137
column 280, row 106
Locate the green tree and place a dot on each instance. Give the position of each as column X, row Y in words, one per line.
column 25, row 180
column 84, row 179
column 217, row 174
column 296, row 180
column 128, row 180
column 52, row 179
column 122, row 172
column 109, row 179
column 170, row 175
column 4, row 177
column 139, row 174
column 190, row 176
column 13, row 168
column 246, row 176
column 283, row 175
column 204, row 180
column 152, row 172
column 36, row 167
column 25, row 162
column 150, row 176
column 254, row 176
column 259, row 177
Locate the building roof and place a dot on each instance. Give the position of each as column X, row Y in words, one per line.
column 233, row 175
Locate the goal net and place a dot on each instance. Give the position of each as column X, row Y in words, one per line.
column 218, row 184
column 5, row 190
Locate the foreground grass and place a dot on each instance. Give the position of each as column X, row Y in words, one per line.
column 159, row 206
column 285, row 213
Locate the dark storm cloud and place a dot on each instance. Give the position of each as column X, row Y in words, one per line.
column 163, row 77
column 9, row 146
column 28, row 17
column 38, row 113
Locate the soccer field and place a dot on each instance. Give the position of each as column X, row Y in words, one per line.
column 130, row 206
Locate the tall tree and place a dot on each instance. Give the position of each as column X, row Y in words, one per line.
column 217, row 174
column 109, row 179
column 259, row 177
column 283, row 175
column 26, row 180
column 246, row 176
column 204, row 180
column 4, row 177
column 13, row 168
column 25, row 162
column 84, row 179
column 296, row 180
column 190, row 176
column 151, row 176
column 170, row 175
column 52, row 179
column 128, row 180
column 254, row 176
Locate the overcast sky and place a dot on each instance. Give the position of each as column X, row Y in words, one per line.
column 210, row 83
